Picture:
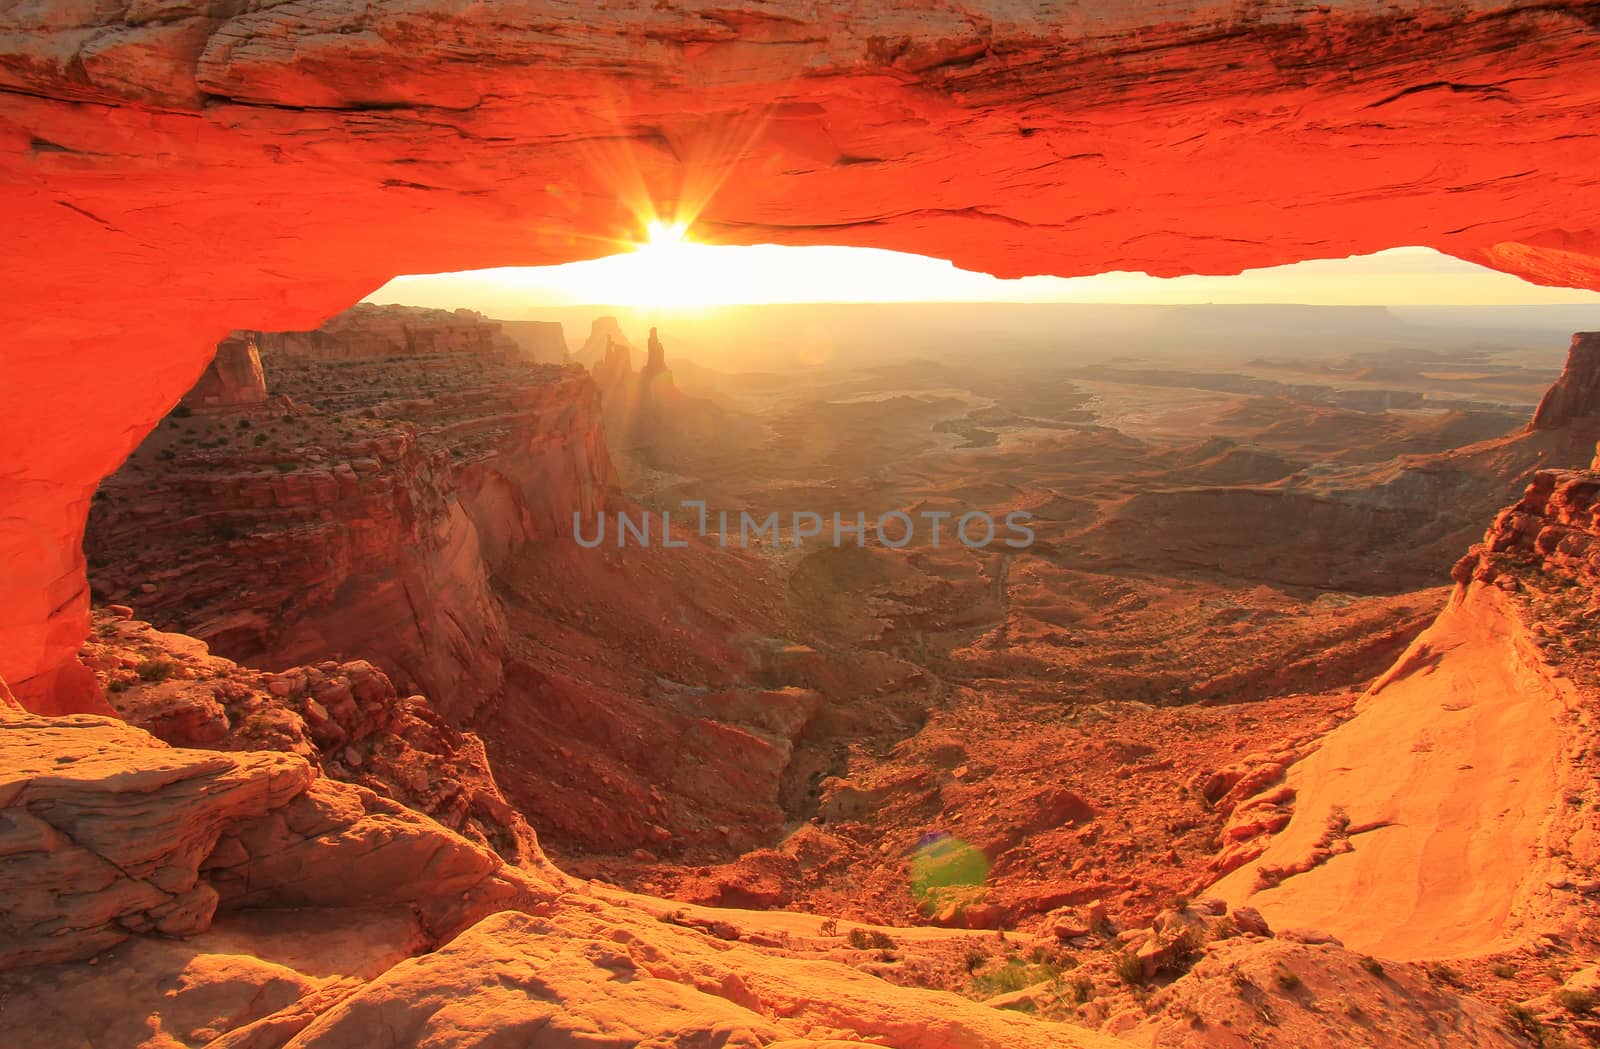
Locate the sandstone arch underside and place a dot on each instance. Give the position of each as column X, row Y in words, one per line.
column 175, row 171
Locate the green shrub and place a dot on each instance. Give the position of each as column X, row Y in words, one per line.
column 869, row 940
column 158, row 668
column 1014, row 975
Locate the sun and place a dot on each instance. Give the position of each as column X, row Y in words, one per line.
column 662, row 234
column 667, row 270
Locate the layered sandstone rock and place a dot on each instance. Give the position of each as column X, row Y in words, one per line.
column 347, row 719
column 286, row 553
column 299, row 900
column 415, row 452
column 365, row 330
column 1576, row 394
column 1466, row 766
column 1551, row 529
column 416, row 509
column 109, row 833
column 181, row 177
column 234, row 377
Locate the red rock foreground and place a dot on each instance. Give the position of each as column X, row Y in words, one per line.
column 172, row 176
column 297, row 886
column 109, row 834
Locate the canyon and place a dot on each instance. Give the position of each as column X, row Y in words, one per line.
column 317, row 728
column 1187, row 776
column 338, row 146
column 406, row 493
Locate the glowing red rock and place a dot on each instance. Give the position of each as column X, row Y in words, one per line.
column 168, row 181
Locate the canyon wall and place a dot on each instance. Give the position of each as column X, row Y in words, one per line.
column 173, row 176
column 544, row 342
column 405, row 493
column 1576, row 395
column 1448, row 817
column 1378, row 527
column 363, row 507
column 365, row 330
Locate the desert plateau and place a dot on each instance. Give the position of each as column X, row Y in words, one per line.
column 663, row 524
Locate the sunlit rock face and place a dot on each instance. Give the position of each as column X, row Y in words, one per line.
column 1576, row 395
column 233, row 378
column 172, row 176
column 404, row 454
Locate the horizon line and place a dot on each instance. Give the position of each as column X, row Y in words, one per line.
column 1045, row 302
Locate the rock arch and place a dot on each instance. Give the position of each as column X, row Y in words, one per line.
column 175, row 173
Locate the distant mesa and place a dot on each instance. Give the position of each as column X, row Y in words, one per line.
column 1576, row 395
column 603, row 332
column 366, row 330
column 543, row 342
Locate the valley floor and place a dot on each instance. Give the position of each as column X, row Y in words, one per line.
column 1204, row 764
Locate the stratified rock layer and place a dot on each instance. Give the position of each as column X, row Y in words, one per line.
column 173, row 178
column 107, row 833
column 415, row 451
column 365, row 331
column 1576, row 394
column 233, row 377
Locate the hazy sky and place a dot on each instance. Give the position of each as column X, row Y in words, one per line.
column 677, row 274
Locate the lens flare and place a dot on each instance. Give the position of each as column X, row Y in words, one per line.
column 947, row 875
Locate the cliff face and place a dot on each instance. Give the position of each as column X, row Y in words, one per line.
column 366, row 330
column 1469, row 762
column 1552, row 533
column 543, row 342
column 234, row 377
column 415, row 507
column 359, row 520
column 1576, row 395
